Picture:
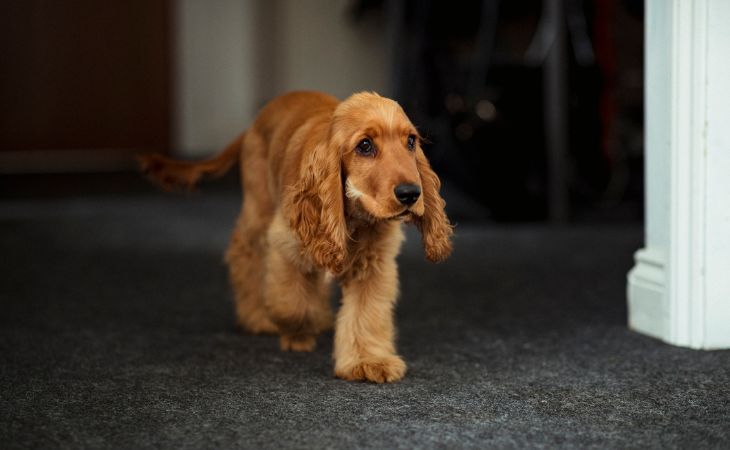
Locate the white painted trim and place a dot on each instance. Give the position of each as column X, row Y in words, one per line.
column 717, row 176
column 687, row 164
column 670, row 295
column 646, row 293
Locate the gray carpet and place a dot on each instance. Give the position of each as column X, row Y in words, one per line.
column 116, row 331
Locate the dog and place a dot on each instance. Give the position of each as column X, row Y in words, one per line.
column 327, row 185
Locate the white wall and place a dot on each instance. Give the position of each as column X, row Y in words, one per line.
column 323, row 49
column 213, row 55
column 233, row 55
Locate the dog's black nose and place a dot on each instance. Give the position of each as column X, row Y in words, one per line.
column 407, row 193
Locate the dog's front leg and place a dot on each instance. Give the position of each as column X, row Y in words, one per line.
column 364, row 332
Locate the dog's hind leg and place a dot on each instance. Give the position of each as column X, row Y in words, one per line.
column 248, row 246
column 245, row 258
column 297, row 298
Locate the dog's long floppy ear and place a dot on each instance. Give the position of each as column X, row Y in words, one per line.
column 436, row 231
column 316, row 208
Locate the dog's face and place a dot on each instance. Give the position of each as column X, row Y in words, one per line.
column 371, row 167
column 379, row 148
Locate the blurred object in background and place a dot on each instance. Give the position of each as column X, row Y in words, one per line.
column 84, row 84
column 477, row 78
column 533, row 107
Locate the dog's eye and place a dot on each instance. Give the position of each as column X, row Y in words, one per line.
column 365, row 148
column 411, row 142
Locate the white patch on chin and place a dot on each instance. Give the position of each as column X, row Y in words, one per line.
column 365, row 202
column 351, row 191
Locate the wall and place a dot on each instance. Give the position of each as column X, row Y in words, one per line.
column 213, row 82
column 233, row 55
column 324, row 49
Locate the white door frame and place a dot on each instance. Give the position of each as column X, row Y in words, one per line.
column 679, row 289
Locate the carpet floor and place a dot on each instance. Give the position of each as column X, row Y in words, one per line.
column 116, row 331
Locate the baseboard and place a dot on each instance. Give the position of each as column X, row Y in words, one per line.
column 646, row 295
column 69, row 161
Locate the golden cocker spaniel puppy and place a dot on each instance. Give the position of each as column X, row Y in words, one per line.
column 327, row 185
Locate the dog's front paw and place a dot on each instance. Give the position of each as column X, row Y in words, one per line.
column 300, row 343
column 376, row 369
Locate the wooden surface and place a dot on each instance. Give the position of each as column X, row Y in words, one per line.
column 84, row 75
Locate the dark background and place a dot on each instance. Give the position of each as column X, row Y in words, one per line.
column 487, row 96
column 516, row 134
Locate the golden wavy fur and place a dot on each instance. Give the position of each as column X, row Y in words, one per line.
column 321, row 181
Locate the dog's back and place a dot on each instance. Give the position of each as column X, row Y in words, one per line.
column 281, row 135
column 270, row 138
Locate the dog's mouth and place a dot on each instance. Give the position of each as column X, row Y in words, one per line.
column 365, row 207
column 405, row 214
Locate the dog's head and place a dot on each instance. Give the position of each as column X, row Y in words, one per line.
column 371, row 168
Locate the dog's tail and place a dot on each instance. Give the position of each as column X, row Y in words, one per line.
column 173, row 174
